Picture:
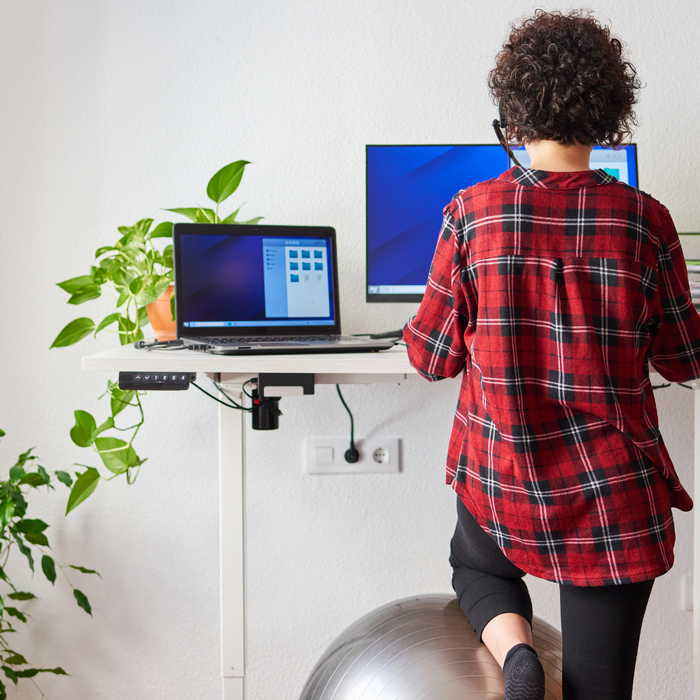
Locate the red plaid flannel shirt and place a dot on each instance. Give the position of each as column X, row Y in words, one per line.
column 552, row 292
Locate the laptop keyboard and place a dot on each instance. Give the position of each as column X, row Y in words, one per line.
column 275, row 339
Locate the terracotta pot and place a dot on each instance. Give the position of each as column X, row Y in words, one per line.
column 160, row 317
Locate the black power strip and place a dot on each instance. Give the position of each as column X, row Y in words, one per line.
column 156, row 381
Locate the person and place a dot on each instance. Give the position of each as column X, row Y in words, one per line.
column 552, row 289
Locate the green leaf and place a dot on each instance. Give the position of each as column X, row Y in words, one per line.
column 2, row 433
column 33, row 479
column 31, row 526
column 75, row 283
column 10, row 674
column 83, row 570
column 206, row 216
column 17, row 472
column 164, row 230
column 189, row 212
column 44, row 474
column 104, row 249
column 107, row 321
column 226, row 181
column 38, row 539
column 142, row 227
column 149, row 294
column 74, row 332
column 16, row 613
column 116, row 454
column 64, row 478
column 167, row 257
column 107, row 425
column 20, row 503
column 137, row 284
column 25, row 457
column 83, row 432
column 231, row 218
column 3, row 692
column 251, row 222
column 82, row 600
column 25, row 550
column 120, row 400
column 21, row 595
column 126, row 331
column 28, row 673
column 123, row 296
column 49, row 568
column 87, row 293
column 83, row 488
column 16, row 660
column 7, row 511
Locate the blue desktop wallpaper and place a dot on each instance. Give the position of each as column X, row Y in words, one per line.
column 221, row 277
column 407, row 189
column 220, row 283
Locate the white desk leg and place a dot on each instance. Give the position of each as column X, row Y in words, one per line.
column 231, row 461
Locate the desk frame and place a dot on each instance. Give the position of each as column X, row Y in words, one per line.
column 362, row 368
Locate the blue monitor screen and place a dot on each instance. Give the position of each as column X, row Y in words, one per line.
column 407, row 189
column 253, row 281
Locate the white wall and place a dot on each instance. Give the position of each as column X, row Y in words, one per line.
column 111, row 111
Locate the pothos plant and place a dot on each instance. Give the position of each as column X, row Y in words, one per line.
column 27, row 536
column 135, row 271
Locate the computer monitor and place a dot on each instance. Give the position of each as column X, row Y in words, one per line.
column 407, row 189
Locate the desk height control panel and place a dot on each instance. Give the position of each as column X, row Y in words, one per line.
column 155, row 381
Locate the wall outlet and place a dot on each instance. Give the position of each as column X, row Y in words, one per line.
column 377, row 456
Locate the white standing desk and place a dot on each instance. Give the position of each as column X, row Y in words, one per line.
column 340, row 368
column 390, row 366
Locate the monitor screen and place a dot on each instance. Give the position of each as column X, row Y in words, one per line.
column 253, row 277
column 407, row 189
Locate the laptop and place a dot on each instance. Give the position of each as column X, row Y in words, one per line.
column 251, row 290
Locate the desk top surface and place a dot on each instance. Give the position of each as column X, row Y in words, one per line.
column 389, row 363
column 129, row 359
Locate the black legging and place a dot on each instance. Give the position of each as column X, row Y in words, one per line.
column 600, row 625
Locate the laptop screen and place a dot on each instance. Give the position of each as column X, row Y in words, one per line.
column 239, row 279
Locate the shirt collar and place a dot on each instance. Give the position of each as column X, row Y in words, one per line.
column 557, row 181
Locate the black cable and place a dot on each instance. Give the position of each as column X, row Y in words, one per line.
column 223, row 403
column 351, row 455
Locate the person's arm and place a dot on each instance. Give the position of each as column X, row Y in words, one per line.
column 675, row 350
column 435, row 335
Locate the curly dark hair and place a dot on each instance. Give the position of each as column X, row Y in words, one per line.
column 565, row 78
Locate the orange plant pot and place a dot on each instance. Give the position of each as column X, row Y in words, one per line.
column 160, row 317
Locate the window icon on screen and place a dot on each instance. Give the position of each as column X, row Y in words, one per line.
column 293, row 253
column 318, row 266
column 306, row 266
column 318, row 253
column 293, row 278
column 293, row 266
column 305, row 253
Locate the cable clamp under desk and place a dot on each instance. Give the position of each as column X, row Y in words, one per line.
column 285, row 384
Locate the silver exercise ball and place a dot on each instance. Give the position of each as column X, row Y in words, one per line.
column 421, row 648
